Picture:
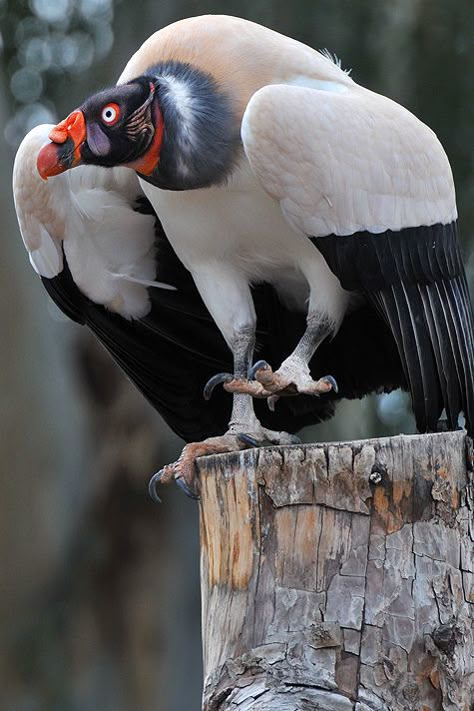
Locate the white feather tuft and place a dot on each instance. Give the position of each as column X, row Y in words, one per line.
column 145, row 282
column 334, row 59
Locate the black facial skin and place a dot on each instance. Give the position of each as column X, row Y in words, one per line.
column 199, row 146
column 125, row 140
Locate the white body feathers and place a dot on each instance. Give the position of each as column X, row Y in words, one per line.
column 89, row 213
column 322, row 156
column 234, row 235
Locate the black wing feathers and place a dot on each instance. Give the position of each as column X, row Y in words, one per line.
column 161, row 354
column 415, row 279
column 66, row 295
column 171, row 353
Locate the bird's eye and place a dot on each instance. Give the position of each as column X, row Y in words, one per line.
column 110, row 114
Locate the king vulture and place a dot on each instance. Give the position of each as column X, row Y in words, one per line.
column 267, row 165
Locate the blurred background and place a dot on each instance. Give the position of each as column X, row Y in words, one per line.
column 99, row 588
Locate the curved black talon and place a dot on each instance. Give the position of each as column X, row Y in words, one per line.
column 152, row 484
column 216, row 380
column 257, row 366
column 248, row 439
column 333, row 382
column 181, row 483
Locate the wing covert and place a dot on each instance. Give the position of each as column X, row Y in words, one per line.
column 346, row 161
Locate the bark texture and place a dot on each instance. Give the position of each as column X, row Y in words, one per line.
column 339, row 576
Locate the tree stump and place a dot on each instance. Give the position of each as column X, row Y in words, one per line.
column 339, row 576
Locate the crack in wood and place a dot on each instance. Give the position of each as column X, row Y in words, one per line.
column 355, row 597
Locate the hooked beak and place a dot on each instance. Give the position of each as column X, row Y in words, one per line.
column 63, row 152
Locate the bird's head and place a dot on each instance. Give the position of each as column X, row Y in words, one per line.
column 118, row 126
column 173, row 126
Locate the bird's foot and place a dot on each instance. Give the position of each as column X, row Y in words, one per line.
column 234, row 385
column 292, row 378
column 183, row 470
column 239, row 436
column 262, row 437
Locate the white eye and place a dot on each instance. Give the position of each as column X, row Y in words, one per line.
column 110, row 114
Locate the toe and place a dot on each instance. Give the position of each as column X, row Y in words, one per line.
column 281, row 437
column 249, row 439
column 332, row 382
column 152, row 484
column 324, row 385
column 214, row 381
column 186, row 489
column 246, row 387
column 273, row 382
column 264, row 437
column 259, row 365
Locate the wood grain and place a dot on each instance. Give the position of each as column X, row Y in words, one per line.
column 339, row 576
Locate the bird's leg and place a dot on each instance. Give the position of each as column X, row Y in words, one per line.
column 243, row 422
column 293, row 376
column 243, row 415
column 244, row 430
column 227, row 296
column 242, row 345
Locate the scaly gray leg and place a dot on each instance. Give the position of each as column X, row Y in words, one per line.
column 244, row 428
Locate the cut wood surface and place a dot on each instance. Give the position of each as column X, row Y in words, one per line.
column 339, row 576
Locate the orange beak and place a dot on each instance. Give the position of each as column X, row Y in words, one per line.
column 64, row 151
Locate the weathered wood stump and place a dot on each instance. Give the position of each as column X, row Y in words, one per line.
column 339, row 576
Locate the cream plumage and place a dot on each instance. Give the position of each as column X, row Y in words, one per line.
column 94, row 208
column 362, row 162
column 104, row 259
column 267, row 163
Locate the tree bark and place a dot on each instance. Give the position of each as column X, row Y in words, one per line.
column 339, row 576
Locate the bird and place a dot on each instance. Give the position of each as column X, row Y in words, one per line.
column 269, row 168
column 103, row 257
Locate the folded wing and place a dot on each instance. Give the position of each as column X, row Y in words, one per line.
column 103, row 257
column 372, row 187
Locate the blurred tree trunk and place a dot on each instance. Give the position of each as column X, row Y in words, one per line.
column 98, row 585
column 340, row 574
